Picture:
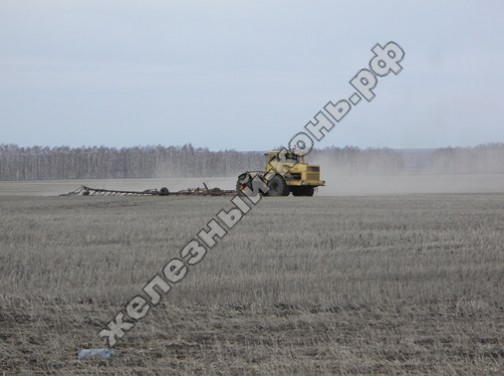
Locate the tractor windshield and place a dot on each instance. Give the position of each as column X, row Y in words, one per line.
column 292, row 158
column 287, row 157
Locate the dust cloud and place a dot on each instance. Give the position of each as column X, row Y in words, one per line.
column 385, row 172
column 371, row 185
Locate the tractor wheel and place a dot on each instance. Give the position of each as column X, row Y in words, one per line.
column 309, row 191
column 278, row 187
column 296, row 191
column 302, row 191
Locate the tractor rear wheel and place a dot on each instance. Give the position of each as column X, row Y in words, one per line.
column 296, row 191
column 302, row 191
column 278, row 187
column 309, row 191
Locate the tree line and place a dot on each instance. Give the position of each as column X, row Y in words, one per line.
column 46, row 163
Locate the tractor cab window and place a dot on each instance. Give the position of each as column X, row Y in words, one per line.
column 287, row 157
column 291, row 157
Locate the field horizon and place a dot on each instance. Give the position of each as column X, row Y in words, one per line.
column 336, row 185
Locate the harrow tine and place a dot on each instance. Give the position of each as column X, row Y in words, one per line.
column 88, row 191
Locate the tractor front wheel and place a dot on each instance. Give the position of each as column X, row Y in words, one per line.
column 278, row 187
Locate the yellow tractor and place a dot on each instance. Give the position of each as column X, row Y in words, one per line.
column 285, row 172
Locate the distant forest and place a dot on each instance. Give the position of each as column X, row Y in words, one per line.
column 44, row 163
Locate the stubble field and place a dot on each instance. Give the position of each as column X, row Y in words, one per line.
column 326, row 285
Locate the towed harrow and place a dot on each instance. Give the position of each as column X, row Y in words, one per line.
column 88, row 191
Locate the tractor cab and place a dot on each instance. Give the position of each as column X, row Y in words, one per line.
column 282, row 161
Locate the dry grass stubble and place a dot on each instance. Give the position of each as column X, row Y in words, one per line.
column 303, row 285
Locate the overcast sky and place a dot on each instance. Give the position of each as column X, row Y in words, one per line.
column 246, row 75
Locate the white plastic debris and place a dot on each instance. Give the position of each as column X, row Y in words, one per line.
column 104, row 353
